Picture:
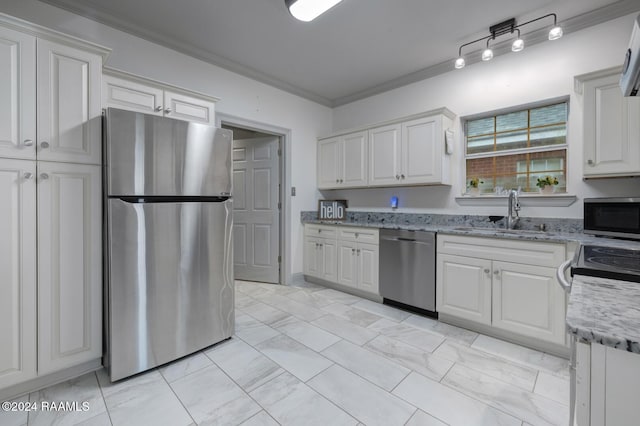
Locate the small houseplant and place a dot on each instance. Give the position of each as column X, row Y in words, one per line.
column 547, row 184
column 473, row 186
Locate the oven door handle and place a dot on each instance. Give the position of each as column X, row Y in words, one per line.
column 560, row 274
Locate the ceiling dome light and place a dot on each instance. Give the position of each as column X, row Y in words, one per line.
column 460, row 63
column 517, row 45
column 308, row 10
column 555, row 33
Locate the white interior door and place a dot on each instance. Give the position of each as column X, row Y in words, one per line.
column 256, row 215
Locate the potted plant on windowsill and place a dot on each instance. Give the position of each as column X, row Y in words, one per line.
column 547, row 184
column 473, row 186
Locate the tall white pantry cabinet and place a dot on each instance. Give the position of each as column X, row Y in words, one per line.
column 50, row 209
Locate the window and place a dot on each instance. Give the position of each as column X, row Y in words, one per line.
column 514, row 149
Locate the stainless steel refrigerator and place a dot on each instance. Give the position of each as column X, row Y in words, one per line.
column 168, row 221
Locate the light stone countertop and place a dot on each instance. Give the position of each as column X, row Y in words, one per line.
column 605, row 311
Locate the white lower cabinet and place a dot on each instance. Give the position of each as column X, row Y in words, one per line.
column 509, row 285
column 344, row 255
column 606, row 386
column 69, row 265
column 17, row 271
column 50, row 296
column 465, row 289
column 320, row 258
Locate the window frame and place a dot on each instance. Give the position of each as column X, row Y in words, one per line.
column 518, row 151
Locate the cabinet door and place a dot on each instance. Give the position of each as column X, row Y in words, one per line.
column 529, row 301
column 463, row 287
column 384, row 155
column 422, row 141
column 329, row 163
column 17, row 94
column 368, row 256
column 311, row 257
column 347, row 264
column 329, row 258
column 69, row 265
column 355, row 149
column 612, row 129
column 188, row 108
column 69, row 109
column 132, row 96
column 17, row 271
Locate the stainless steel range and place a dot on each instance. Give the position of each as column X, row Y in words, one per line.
column 608, row 262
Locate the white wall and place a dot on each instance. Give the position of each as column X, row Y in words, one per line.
column 539, row 72
column 240, row 96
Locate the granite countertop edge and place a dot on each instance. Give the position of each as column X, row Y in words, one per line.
column 528, row 235
column 605, row 311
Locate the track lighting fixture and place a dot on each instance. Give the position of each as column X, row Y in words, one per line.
column 508, row 27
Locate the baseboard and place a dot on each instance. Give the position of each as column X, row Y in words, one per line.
column 296, row 278
column 530, row 342
column 38, row 383
column 345, row 289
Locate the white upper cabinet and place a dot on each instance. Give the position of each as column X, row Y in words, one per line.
column 132, row 96
column 17, row 271
column 611, row 127
column 405, row 152
column 69, row 111
column 342, row 161
column 423, row 157
column 384, row 151
column 127, row 91
column 17, row 94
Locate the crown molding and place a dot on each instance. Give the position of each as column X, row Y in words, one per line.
column 573, row 24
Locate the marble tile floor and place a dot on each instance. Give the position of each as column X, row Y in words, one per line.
column 307, row 355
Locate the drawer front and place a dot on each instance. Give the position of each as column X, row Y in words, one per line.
column 526, row 252
column 360, row 235
column 321, row 231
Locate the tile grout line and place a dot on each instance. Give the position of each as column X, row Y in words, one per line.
column 104, row 400
column 177, row 397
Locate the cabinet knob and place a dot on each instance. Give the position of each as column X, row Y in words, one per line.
column 402, row 176
column 44, row 144
column 353, row 251
column 496, row 273
column 397, row 177
column 358, row 251
column 486, row 270
column 341, row 181
column 159, row 108
column 337, row 180
column 28, row 142
column 590, row 162
column 167, row 111
column 319, row 231
column 356, row 235
column 44, row 176
column 27, row 175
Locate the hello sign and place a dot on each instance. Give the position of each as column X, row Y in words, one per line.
column 332, row 209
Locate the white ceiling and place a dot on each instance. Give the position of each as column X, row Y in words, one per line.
column 358, row 48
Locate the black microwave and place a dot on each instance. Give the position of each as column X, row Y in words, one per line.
column 612, row 217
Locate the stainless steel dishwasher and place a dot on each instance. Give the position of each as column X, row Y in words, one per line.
column 408, row 269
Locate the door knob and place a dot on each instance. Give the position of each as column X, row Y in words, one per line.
column 159, row 108
column 167, row 111
column 28, row 142
column 44, row 144
column 44, row 176
column 27, row 175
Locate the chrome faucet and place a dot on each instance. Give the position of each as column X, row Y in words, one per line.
column 512, row 209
